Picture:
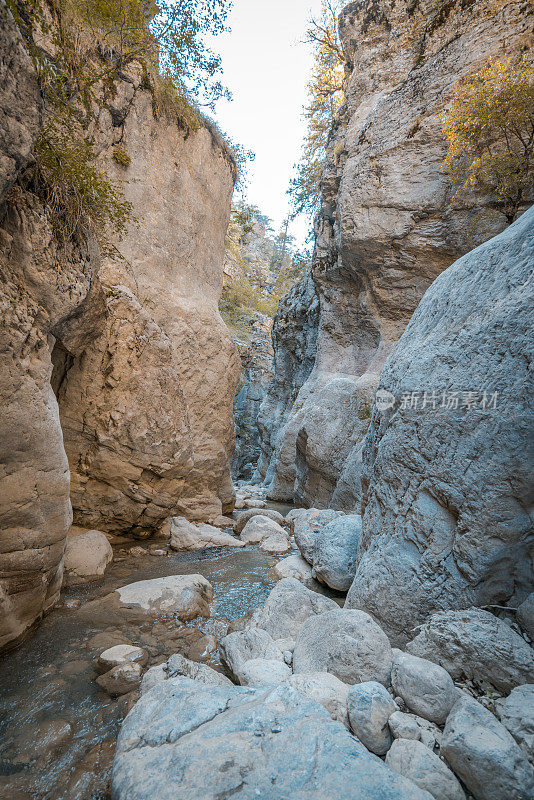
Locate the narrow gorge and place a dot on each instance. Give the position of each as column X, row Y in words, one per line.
column 266, row 511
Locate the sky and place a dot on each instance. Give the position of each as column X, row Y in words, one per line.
column 266, row 67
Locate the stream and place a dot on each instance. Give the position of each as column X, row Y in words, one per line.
column 57, row 727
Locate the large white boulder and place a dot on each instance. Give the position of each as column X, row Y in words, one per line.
column 87, row 556
column 260, row 528
column 288, row 606
column 477, row 646
column 244, row 516
column 347, row 643
column 182, row 596
column 186, row 535
column 296, row 567
column 241, row 646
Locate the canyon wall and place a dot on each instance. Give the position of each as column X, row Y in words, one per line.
column 389, row 224
column 117, row 372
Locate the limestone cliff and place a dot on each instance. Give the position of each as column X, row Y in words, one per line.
column 132, row 345
column 388, row 226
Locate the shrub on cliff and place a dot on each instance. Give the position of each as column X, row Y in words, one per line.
column 489, row 129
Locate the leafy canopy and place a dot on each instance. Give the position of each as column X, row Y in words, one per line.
column 325, row 97
column 489, row 130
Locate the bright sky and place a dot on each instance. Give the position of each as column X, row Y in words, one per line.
column 266, row 67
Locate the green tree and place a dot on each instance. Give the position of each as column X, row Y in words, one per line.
column 325, row 97
column 489, row 130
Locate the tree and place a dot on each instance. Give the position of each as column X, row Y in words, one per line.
column 489, row 130
column 325, row 93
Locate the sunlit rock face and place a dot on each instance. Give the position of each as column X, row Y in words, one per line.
column 388, row 226
column 117, row 374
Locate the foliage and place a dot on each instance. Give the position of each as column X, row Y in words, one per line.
column 325, row 93
column 121, row 156
column 254, row 287
column 489, row 129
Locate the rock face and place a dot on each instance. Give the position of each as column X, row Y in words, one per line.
column 388, row 226
column 448, row 527
column 122, row 364
column 201, row 743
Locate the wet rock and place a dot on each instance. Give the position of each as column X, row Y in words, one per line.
column 87, row 556
column 477, row 646
column 90, row 777
column 404, row 726
column 416, row 762
column 485, row 755
column 121, row 679
column 369, row 707
column 518, row 717
column 426, row 688
column 121, row 654
column 296, row 567
column 305, row 525
column 347, row 643
column 183, row 596
column 188, row 536
column 334, row 552
column 525, row 616
column 105, row 640
column 288, row 606
column 41, row 740
column 243, row 742
column 260, row 528
column 275, row 544
column 262, row 672
column 326, row 689
column 241, row 646
column 244, row 516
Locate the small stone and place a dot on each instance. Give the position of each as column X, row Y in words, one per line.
column 259, row 528
column 137, row 551
column 121, row 679
column 404, row 726
column 369, row 708
column 426, row 688
column 275, row 544
column 242, row 646
column 121, row 654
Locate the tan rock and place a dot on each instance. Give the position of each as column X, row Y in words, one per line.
column 87, row 556
column 187, row 536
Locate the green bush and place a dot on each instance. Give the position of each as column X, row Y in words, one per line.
column 121, row 156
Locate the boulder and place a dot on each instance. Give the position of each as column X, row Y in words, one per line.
column 477, row 646
column 260, row 528
column 296, row 567
column 288, row 606
column 121, row 679
column 426, row 688
column 262, row 672
column 179, row 666
column 306, row 523
column 188, row 536
column 347, row 643
column 462, row 411
column 404, row 726
column 189, row 742
column 244, row 516
column 484, row 755
column 369, row 707
column 518, row 717
column 525, row 616
column 241, row 646
column 416, row 762
column 326, row 689
column 182, row 596
column 121, row 654
column 87, row 556
column 334, row 552
column 275, row 544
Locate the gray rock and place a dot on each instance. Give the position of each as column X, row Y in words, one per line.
column 334, row 552
column 276, row 544
column 325, row 689
column 241, row 646
column 186, row 535
column 185, row 742
column 369, row 707
column 179, row 666
column 296, row 567
column 347, row 643
column 416, row 762
column 425, row 687
column 484, row 755
column 425, row 543
column 244, row 516
column 475, row 645
column 404, row 726
column 152, row 677
column 525, row 616
column 288, row 606
column 518, row 717
column 305, row 526
column 183, row 596
column 262, row 672
column 259, row 528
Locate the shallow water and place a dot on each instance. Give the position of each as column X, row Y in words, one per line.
column 50, row 677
